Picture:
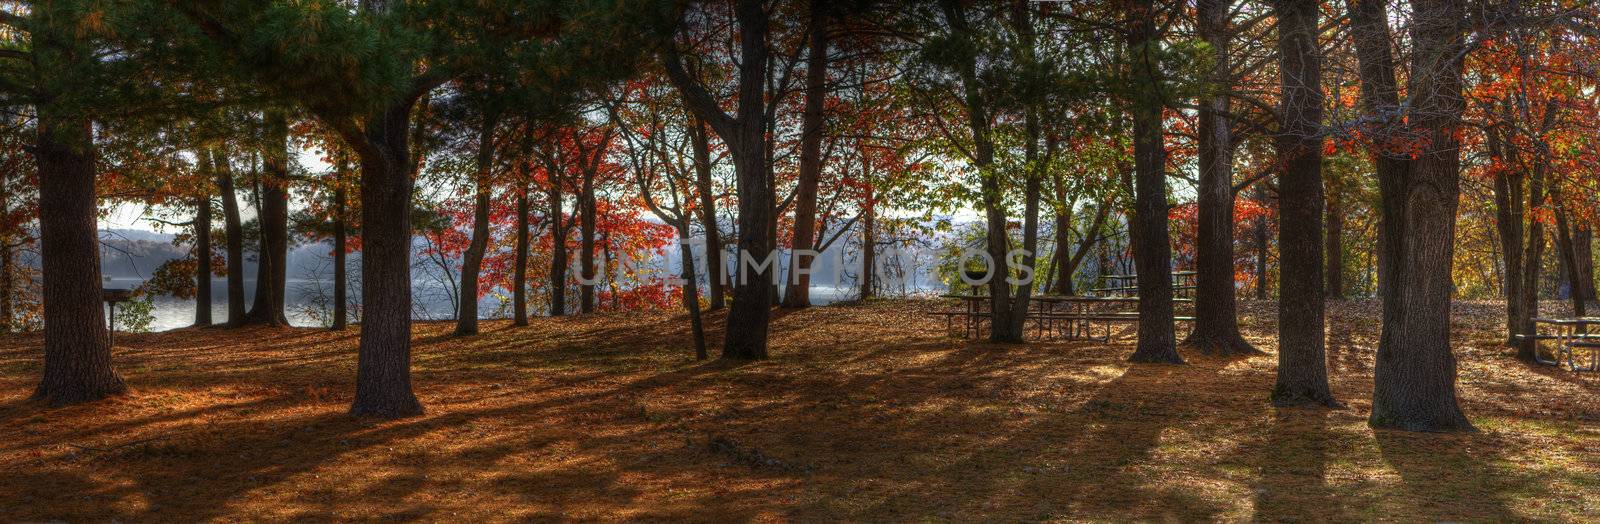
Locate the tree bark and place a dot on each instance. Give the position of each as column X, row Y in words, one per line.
column 745, row 136
column 272, row 273
column 519, row 273
column 77, row 352
column 586, row 232
column 558, row 250
column 383, row 366
column 798, row 294
column 1414, row 377
column 232, row 227
column 708, row 211
column 472, row 260
column 1216, row 322
column 869, row 243
column 1569, row 263
column 1335, row 245
column 202, row 256
column 1302, row 358
column 1152, row 251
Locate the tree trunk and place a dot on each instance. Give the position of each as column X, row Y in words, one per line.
column 811, row 121
column 202, row 258
column 691, row 292
column 558, row 252
column 1335, row 245
column 8, row 262
column 519, row 272
column 1216, row 324
column 472, row 261
column 341, row 313
column 234, row 230
column 1583, row 246
column 1569, row 263
column 77, row 352
column 272, row 273
column 869, row 243
column 586, row 232
column 708, row 212
column 383, row 367
column 1302, row 357
column 1152, row 247
column 1414, row 377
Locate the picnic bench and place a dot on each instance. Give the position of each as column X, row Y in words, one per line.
column 1572, row 336
column 1071, row 317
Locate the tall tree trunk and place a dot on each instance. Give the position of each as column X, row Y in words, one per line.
column 272, row 273
column 869, row 243
column 1062, row 281
column 1216, row 321
column 1568, row 255
column 202, row 258
column 558, row 252
column 1415, row 374
column 805, row 203
column 1302, row 357
column 691, row 291
column 383, row 366
column 77, row 352
column 586, row 232
column 8, row 262
column 341, row 301
column 519, row 272
column 472, row 261
column 234, row 229
column 1152, row 247
column 1335, row 245
column 1583, row 246
column 708, row 211
column 745, row 136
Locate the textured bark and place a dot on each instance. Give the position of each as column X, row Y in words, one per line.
column 8, row 262
column 1152, row 247
column 715, row 275
column 1568, row 255
column 383, row 366
column 1583, row 246
column 558, row 250
column 77, row 352
column 1302, row 356
column 586, row 232
column 202, row 258
column 472, row 260
column 798, row 294
column 1216, row 321
column 1415, row 373
column 234, row 230
column 869, row 243
column 272, row 270
column 519, row 278
column 341, row 301
column 746, row 138
column 691, row 292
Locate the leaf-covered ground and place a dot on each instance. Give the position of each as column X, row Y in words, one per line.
column 865, row 412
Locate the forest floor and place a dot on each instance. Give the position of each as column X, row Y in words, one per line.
column 864, row 412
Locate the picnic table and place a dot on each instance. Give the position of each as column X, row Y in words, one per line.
column 1073, row 317
column 1570, row 335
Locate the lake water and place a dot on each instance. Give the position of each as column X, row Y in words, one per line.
column 428, row 302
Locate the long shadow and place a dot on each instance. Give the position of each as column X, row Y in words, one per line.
column 1292, row 486
column 1436, row 470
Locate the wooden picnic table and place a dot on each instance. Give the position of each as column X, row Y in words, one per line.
column 1569, row 335
column 1073, row 316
